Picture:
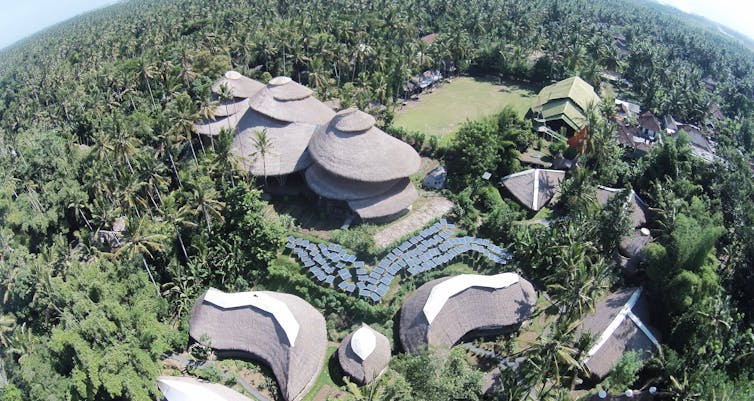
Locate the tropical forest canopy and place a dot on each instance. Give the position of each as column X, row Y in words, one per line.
column 96, row 128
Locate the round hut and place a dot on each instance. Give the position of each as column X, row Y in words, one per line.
column 442, row 312
column 274, row 133
column 232, row 93
column 282, row 330
column 359, row 164
column 364, row 355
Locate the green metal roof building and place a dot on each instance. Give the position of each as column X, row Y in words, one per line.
column 564, row 104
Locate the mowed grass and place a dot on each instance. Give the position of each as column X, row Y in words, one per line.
column 443, row 111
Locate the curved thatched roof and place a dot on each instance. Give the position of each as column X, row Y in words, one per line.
column 240, row 86
column 617, row 325
column 280, row 329
column 288, row 101
column 364, row 354
column 461, row 305
column 182, row 388
column 394, row 201
column 333, row 187
column 228, row 107
column 286, row 151
column 351, row 147
column 214, row 127
column 534, row 187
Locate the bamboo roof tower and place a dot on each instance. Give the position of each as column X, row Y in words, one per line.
column 232, row 92
column 279, row 329
column 284, row 114
column 364, row 354
column 356, row 162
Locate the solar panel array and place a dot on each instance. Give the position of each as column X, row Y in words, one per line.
column 434, row 247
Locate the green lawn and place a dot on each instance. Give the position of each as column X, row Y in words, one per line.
column 444, row 110
column 324, row 379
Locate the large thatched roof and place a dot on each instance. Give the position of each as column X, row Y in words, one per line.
column 395, row 201
column 286, row 152
column 182, row 388
column 364, row 354
column 240, row 87
column 214, row 127
column 228, row 107
column 280, row 329
column 443, row 311
column 618, row 325
column 288, row 101
column 350, row 146
column 534, row 187
column 639, row 209
column 334, row 187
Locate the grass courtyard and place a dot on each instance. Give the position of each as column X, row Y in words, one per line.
column 446, row 108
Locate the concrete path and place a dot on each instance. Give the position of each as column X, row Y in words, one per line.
column 435, row 207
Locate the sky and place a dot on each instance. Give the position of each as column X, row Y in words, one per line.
column 21, row 18
column 735, row 14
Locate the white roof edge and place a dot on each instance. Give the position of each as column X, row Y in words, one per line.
column 618, row 320
column 363, row 342
column 442, row 292
column 182, row 390
column 260, row 300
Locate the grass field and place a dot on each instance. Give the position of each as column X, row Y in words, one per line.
column 444, row 110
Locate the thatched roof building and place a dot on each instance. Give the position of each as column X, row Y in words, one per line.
column 356, row 162
column 442, row 312
column 564, row 104
column 181, row 388
column 617, row 325
column 364, row 354
column 287, row 114
column 639, row 209
column 230, row 109
column 279, row 329
column 534, row 188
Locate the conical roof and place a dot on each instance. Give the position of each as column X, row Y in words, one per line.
column 333, row 187
column 286, row 151
column 364, row 354
column 240, row 86
column 213, row 128
column 228, row 107
column 394, row 201
column 350, row 146
column 288, row 101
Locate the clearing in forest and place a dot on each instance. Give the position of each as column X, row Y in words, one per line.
column 447, row 107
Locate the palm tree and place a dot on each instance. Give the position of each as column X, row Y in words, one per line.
column 263, row 146
column 147, row 72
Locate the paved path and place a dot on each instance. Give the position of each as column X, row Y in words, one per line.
column 436, row 206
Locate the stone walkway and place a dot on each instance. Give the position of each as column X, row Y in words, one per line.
column 435, row 207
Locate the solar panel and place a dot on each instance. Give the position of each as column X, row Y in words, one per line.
column 375, row 297
column 350, row 287
column 330, row 278
column 342, row 285
column 358, row 264
column 344, row 274
column 386, row 280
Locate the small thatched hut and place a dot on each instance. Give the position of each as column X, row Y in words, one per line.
column 360, row 164
column 639, row 209
column 364, row 355
column 181, row 388
column 284, row 114
column 279, row 329
column 534, row 188
column 617, row 325
column 442, row 312
column 232, row 93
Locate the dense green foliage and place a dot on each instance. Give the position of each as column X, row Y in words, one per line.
column 96, row 120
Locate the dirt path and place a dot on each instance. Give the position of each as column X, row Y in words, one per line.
column 435, row 206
